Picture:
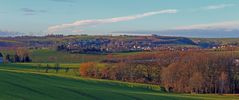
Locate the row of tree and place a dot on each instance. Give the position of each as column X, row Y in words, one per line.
column 21, row 55
column 185, row 72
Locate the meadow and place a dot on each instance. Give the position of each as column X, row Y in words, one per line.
column 24, row 82
column 53, row 56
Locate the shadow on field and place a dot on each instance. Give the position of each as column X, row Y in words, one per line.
column 28, row 89
column 132, row 97
column 81, row 93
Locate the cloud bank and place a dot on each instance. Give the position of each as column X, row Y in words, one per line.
column 220, row 6
column 222, row 25
column 86, row 23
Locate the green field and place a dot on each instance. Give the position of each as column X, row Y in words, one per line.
column 53, row 56
column 44, row 55
column 24, row 82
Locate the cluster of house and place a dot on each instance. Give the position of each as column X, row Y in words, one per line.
column 223, row 46
column 105, row 45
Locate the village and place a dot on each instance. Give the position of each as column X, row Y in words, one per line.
column 108, row 45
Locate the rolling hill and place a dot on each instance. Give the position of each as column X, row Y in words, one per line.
column 18, row 82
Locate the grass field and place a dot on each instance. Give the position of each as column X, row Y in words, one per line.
column 22, row 82
column 43, row 55
column 47, row 55
column 222, row 41
column 53, row 56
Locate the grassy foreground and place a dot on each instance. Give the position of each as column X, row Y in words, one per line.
column 18, row 84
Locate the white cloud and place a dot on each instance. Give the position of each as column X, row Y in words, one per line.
column 222, row 25
column 220, row 6
column 84, row 23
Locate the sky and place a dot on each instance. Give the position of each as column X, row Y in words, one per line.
column 110, row 16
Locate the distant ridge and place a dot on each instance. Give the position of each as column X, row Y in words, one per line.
column 10, row 34
column 191, row 33
column 200, row 33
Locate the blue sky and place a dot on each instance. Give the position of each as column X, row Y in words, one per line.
column 106, row 16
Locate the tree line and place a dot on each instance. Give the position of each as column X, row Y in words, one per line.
column 184, row 72
column 20, row 55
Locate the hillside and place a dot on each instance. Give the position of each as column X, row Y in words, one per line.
column 109, row 44
column 19, row 84
column 55, row 40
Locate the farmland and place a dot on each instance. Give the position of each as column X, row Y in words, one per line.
column 22, row 82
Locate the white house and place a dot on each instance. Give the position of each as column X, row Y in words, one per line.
column 236, row 61
column 1, row 58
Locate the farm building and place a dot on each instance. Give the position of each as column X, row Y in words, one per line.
column 1, row 58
